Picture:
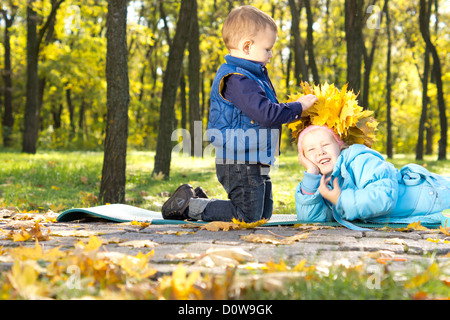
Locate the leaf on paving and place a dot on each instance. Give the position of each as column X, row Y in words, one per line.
column 261, row 238
column 445, row 231
column 311, row 227
column 175, row 232
column 34, row 233
column 224, row 257
column 395, row 241
column 219, row 225
column 94, row 243
column 250, row 225
column 380, row 254
column 294, row 238
column 140, row 223
column 74, row 233
column 273, row 239
column 139, row 244
column 416, row 226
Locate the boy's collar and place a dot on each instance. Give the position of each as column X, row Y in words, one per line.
column 250, row 65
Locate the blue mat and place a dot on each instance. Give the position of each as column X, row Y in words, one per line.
column 127, row 213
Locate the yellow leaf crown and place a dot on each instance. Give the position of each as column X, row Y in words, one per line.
column 339, row 111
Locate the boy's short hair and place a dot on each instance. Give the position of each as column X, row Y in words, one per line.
column 245, row 21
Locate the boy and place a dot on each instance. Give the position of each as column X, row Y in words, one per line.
column 244, row 126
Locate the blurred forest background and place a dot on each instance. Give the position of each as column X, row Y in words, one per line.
column 53, row 89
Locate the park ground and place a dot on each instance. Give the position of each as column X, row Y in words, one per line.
column 42, row 258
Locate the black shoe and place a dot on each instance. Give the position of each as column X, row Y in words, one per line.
column 200, row 193
column 175, row 207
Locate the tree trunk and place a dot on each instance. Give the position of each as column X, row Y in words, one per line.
column 389, row 144
column 33, row 93
column 368, row 63
column 194, row 84
column 8, row 118
column 425, row 31
column 170, row 82
column 300, row 68
column 112, row 188
column 425, row 99
column 310, row 43
column 354, row 17
column 31, row 121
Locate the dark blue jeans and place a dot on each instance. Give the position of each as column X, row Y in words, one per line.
column 249, row 190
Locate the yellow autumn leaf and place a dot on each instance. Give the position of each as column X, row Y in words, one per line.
column 419, row 280
column 137, row 266
column 23, row 235
column 249, row 225
column 138, row 244
column 223, row 257
column 140, row 223
column 261, row 238
column 94, row 243
column 23, row 277
column 219, row 225
column 179, row 286
column 337, row 109
column 416, row 226
column 444, row 229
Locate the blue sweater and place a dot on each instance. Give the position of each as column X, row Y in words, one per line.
column 245, row 116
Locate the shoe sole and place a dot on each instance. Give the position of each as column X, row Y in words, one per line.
column 176, row 203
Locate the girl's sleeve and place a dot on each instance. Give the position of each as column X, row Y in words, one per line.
column 309, row 203
column 375, row 192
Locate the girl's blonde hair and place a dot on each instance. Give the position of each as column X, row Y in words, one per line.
column 245, row 21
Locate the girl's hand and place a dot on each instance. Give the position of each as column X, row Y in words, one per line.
column 309, row 166
column 330, row 195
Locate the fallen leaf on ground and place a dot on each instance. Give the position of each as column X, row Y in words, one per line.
column 272, row 239
column 445, row 231
column 224, row 257
column 261, row 238
column 139, row 244
column 395, row 241
column 74, row 233
column 140, row 223
column 219, row 225
column 34, row 233
column 249, row 225
column 380, row 254
column 416, row 226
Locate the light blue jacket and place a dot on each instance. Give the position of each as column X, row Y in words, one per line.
column 373, row 190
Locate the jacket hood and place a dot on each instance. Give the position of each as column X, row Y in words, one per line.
column 349, row 154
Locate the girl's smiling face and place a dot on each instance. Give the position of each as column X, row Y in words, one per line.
column 320, row 147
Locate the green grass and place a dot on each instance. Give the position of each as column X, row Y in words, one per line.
column 62, row 180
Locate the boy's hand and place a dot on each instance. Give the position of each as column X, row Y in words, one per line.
column 330, row 195
column 307, row 101
column 309, row 166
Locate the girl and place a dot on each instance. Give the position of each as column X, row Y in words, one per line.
column 347, row 183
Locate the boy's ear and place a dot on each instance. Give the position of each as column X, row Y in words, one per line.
column 246, row 46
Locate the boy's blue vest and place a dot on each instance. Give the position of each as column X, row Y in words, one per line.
column 236, row 137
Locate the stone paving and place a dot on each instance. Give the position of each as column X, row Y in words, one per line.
column 173, row 244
